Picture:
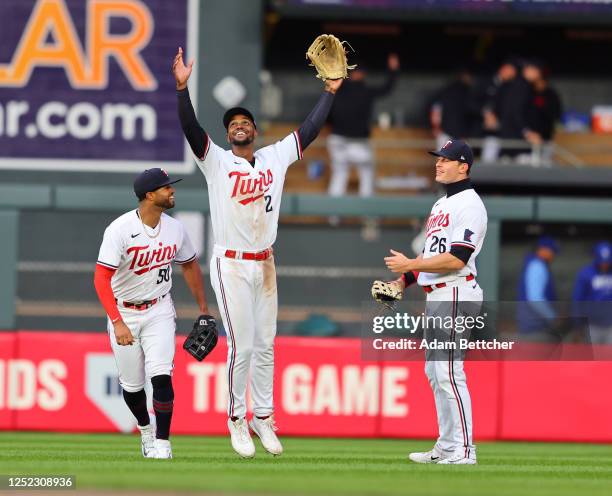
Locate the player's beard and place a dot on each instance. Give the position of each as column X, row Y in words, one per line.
column 243, row 142
column 166, row 204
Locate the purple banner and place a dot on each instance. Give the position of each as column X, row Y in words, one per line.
column 87, row 85
column 501, row 6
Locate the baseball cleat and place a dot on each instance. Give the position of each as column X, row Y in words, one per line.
column 241, row 438
column 163, row 449
column 264, row 428
column 432, row 456
column 147, row 441
column 458, row 460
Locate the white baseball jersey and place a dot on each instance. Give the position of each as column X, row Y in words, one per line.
column 142, row 256
column 458, row 220
column 245, row 200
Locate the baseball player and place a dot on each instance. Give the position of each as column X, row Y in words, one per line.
column 245, row 188
column 446, row 270
column 592, row 291
column 133, row 279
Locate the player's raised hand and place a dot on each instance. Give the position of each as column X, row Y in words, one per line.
column 180, row 70
column 398, row 262
column 123, row 335
column 332, row 85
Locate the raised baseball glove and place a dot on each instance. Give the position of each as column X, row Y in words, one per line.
column 328, row 56
column 203, row 337
column 387, row 293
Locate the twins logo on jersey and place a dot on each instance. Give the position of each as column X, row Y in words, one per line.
column 248, row 188
column 438, row 220
column 143, row 257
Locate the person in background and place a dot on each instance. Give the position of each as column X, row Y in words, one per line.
column 593, row 287
column 453, row 111
column 504, row 112
column 536, row 315
column 543, row 112
column 350, row 117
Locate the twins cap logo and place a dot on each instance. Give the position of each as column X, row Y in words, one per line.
column 467, row 235
column 447, row 144
column 164, row 171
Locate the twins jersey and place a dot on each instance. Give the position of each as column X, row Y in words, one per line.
column 245, row 200
column 458, row 220
column 142, row 256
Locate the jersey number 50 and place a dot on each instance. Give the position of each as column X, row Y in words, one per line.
column 163, row 275
column 437, row 245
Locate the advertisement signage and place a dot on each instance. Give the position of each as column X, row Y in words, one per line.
column 86, row 84
column 68, row 382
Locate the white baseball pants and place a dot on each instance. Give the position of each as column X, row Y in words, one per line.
column 344, row 152
column 152, row 352
column 248, row 303
column 444, row 368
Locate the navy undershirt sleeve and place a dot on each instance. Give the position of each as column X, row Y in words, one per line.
column 463, row 253
column 196, row 136
column 312, row 125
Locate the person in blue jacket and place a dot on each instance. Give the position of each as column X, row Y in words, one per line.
column 536, row 315
column 593, row 287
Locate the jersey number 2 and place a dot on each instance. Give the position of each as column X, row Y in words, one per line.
column 268, row 199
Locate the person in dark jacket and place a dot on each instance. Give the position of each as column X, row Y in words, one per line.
column 505, row 111
column 593, row 287
column 536, row 315
column 350, row 116
column 453, row 113
column 543, row 112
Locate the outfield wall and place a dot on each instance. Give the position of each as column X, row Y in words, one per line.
column 54, row 381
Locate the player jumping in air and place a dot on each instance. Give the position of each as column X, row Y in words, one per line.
column 244, row 188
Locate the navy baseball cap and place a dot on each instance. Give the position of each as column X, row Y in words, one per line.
column 456, row 150
column 227, row 117
column 150, row 180
column 603, row 252
column 548, row 242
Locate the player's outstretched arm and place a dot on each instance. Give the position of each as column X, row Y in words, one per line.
column 313, row 124
column 196, row 136
column 193, row 277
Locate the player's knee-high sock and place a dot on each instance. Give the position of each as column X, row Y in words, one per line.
column 137, row 403
column 163, row 402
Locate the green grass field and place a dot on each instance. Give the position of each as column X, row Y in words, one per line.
column 309, row 466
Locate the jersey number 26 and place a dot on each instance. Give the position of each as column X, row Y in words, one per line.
column 437, row 245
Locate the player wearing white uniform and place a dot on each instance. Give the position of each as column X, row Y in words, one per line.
column 133, row 280
column 245, row 188
column 446, row 270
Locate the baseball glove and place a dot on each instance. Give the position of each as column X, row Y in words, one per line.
column 203, row 337
column 387, row 293
column 328, row 56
